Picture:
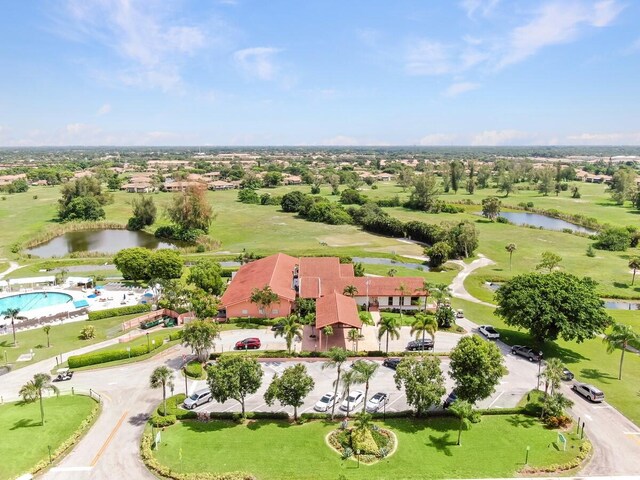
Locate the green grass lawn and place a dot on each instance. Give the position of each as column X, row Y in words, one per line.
column 444, row 276
column 63, row 338
column 426, row 449
column 589, row 360
column 25, row 442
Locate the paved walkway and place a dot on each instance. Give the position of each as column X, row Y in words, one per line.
column 12, row 267
column 457, row 286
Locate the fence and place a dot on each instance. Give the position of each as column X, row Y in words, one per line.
column 62, row 391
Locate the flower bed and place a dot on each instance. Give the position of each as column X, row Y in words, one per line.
column 374, row 443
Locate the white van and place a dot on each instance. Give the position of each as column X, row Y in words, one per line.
column 198, row 398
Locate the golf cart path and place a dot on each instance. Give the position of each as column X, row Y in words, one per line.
column 457, row 285
column 12, row 267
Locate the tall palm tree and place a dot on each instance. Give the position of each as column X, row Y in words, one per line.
column 635, row 264
column 162, row 377
column 34, row 389
column 620, row 337
column 426, row 288
column 348, row 379
column 510, row 248
column 291, row 329
column 552, row 374
column 364, row 372
column 390, row 327
column 350, row 291
column 463, row 410
column 403, row 290
column 354, row 336
column 336, row 356
column 440, row 291
column 46, row 329
column 12, row 313
column 424, row 324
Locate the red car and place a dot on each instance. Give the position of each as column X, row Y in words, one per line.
column 248, row 343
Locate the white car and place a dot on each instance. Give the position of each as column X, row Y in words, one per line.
column 376, row 402
column 589, row 392
column 489, row 332
column 352, row 401
column 326, row 402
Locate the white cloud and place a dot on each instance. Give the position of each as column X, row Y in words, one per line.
column 502, row 137
column 434, row 139
column 426, row 57
column 143, row 34
column 555, row 23
column 104, row 109
column 482, row 7
column 257, row 62
column 612, row 138
column 457, row 88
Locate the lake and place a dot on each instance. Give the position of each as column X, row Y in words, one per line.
column 537, row 220
column 103, row 241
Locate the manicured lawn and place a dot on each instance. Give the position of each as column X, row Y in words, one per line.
column 445, row 276
column 426, row 449
column 25, row 442
column 589, row 360
column 63, row 338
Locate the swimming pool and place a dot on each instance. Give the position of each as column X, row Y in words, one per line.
column 30, row 301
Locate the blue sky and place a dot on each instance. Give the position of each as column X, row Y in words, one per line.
column 357, row 72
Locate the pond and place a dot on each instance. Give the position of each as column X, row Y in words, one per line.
column 103, row 241
column 388, row 261
column 548, row 223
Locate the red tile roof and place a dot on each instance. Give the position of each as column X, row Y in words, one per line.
column 336, row 308
column 275, row 271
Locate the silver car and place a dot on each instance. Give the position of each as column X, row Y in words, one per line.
column 589, row 392
column 197, row 398
column 376, row 402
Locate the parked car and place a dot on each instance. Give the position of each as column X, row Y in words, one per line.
column 392, row 363
column 326, row 402
column 459, row 313
column 589, row 392
column 526, row 352
column 352, row 401
column 452, row 397
column 489, row 332
column 567, row 374
column 376, row 402
column 248, row 343
column 426, row 344
column 63, row 375
column 197, row 398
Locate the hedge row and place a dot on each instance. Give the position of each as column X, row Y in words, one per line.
column 77, row 361
column 150, row 461
column 173, row 408
column 237, row 417
column 67, row 444
column 119, row 311
column 313, row 354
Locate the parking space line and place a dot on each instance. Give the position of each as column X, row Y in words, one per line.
column 496, row 399
column 398, row 397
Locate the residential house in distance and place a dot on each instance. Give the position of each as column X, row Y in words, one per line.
column 221, row 185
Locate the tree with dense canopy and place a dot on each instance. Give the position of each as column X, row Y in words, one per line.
column 389, row 327
column 165, row 263
column 207, row 275
column 133, row 263
column 34, row 389
column 336, row 357
column 422, row 380
column 438, row 254
column 477, row 367
column 201, row 335
column 553, row 305
column 234, row 377
column 620, row 336
column 425, row 192
column 291, row 388
column 82, row 199
column 190, row 209
column 292, row 201
column 162, row 377
column 549, row 261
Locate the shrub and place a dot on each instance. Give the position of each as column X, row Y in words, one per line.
column 119, row 311
column 159, row 421
column 173, row 408
column 363, row 440
column 177, row 335
column 560, row 421
column 194, row 369
column 88, row 332
column 613, row 239
column 77, row 361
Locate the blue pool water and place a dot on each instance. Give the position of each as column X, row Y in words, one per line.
column 30, row 301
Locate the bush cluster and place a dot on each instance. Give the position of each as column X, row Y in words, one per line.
column 194, row 369
column 237, row 417
column 160, row 421
column 119, row 311
column 172, row 232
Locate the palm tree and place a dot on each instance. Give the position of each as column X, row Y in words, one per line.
column 348, row 379
column 620, row 337
column 35, row 388
column 162, row 377
column 463, row 410
column 362, row 421
column 552, row 374
column 46, row 329
column 390, row 327
column 635, row 264
column 364, row 372
column 510, row 248
column 424, row 324
column 426, row 288
column 440, row 291
column 290, row 330
column 336, row 357
column 12, row 313
column 403, row 290
column 354, row 336
column 350, row 291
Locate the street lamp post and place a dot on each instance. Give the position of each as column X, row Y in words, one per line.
column 186, row 388
column 539, row 367
column 148, row 344
column 358, row 457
